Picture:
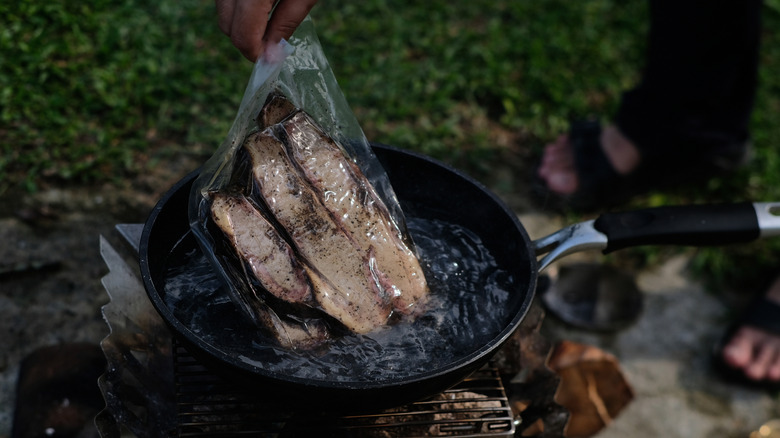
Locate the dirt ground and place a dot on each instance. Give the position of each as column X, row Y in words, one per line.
column 50, row 264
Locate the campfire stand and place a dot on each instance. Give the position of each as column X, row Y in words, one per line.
column 154, row 387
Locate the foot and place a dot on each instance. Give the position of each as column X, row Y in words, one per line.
column 558, row 169
column 755, row 351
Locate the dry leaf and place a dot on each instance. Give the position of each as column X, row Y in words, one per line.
column 593, row 387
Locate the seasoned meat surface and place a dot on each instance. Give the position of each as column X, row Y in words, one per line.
column 260, row 246
column 344, row 287
column 276, row 109
column 274, row 265
column 349, row 196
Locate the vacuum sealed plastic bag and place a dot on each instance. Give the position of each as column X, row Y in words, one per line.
column 296, row 213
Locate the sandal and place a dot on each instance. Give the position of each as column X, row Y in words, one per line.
column 763, row 314
column 601, row 187
column 593, row 297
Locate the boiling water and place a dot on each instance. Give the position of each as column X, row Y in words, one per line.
column 468, row 308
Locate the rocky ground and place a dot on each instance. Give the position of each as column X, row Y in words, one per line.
column 50, row 293
column 50, row 264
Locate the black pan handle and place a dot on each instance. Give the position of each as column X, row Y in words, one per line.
column 697, row 225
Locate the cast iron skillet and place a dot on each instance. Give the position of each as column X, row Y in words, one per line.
column 427, row 187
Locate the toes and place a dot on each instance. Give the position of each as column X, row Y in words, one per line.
column 773, row 373
column 756, row 352
column 557, row 154
column 557, row 168
column 563, row 183
column 764, row 359
column 767, row 364
column 738, row 353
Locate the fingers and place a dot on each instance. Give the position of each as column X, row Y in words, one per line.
column 287, row 16
column 225, row 14
column 246, row 22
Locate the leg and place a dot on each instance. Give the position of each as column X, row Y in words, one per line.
column 559, row 169
column 694, row 100
column 699, row 82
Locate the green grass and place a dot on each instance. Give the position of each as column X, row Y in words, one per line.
column 88, row 89
column 94, row 91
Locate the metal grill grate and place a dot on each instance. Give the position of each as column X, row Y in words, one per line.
column 208, row 406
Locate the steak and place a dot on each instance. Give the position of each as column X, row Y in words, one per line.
column 341, row 274
column 357, row 208
column 266, row 258
column 318, row 249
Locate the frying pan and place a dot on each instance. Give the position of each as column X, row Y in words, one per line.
column 429, row 188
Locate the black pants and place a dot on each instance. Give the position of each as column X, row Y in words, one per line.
column 698, row 87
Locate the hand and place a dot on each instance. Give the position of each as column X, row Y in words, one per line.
column 246, row 22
